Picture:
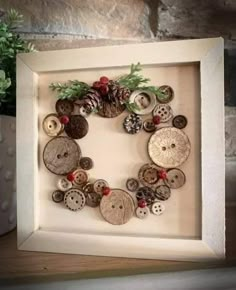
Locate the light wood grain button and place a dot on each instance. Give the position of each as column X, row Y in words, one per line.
column 117, row 208
column 169, row 147
column 86, row 163
column 99, row 184
column 93, row 199
column 166, row 94
column 148, row 175
column 175, row 178
column 144, row 100
column 158, row 208
column 64, row 184
column 77, row 127
column 164, row 112
column 142, row 213
column 162, row 192
column 74, row 199
column 64, row 107
column 52, row 125
column 80, row 177
column 57, row 196
column 61, row 155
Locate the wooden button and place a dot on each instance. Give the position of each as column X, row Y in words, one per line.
column 164, row 112
column 64, row 107
column 93, row 199
column 148, row 175
column 145, row 193
column 99, row 185
column 132, row 184
column 149, row 126
column 74, row 199
column 77, row 127
column 132, row 124
column 158, row 208
column 52, row 125
column 110, row 109
column 169, row 147
column 57, row 196
column 81, row 177
column 144, row 100
column 86, row 163
column 142, row 213
column 87, row 188
column 180, row 121
column 166, row 94
column 64, row 184
column 162, row 192
column 175, row 178
column 118, row 207
column 61, row 155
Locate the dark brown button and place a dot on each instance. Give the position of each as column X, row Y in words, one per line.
column 162, row 192
column 87, row 188
column 77, row 127
column 165, row 95
column 93, row 199
column 175, row 178
column 110, row 109
column 58, row 196
column 148, row 175
column 132, row 184
column 180, row 121
column 61, row 155
column 147, row 194
column 86, row 163
column 149, row 126
column 99, row 184
column 64, row 107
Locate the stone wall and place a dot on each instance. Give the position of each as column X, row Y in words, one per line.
column 58, row 24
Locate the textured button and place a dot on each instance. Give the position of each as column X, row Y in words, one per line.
column 58, row 196
column 132, row 124
column 64, row 107
column 118, row 207
column 166, row 94
column 162, row 192
column 145, row 193
column 81, row 177
column 144, row 100
column 180, row 121
column 86, row 163
column 148, row 175
column 77, row 127
column 164, row 112
column 52, row 125
column 149, row 126
column 87, row 188
column 158, row 208
column 110, row 109
column 175, row 178
column 93, row 199
column 132, row 184
column 169, row 147
column 64, row 184
column 142, row 213
column 99, row 184
column 74, row 199
column 61, row 155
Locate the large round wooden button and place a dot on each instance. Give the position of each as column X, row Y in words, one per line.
column 162, row 192
column 77, row 127
column 164, row 112
column 180, row 121
column 175, row 178
column 80, row 177
column 110, row 109
column 166, row 94
column 64, row 107
column 74, row 199
column 52, row 125
column 148, row 175
column 57, row 196
column 118, row 207
column 61, row 155
column 86, row 163
column 93, row 199
column 142, row 213
column 169, row 147
column 99, row 184
column 144, row 100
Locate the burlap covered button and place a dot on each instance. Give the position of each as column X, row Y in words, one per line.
column 164, row 112
column 52, row 125
column 175, row 178
column 165, row 95
column 117, row 207
column 80, row 177
column 142, row 213
column 162, row 192
column 74, row 199
column 77, row 127
column 64, row 107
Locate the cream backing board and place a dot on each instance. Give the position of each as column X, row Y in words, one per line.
column 193, row 226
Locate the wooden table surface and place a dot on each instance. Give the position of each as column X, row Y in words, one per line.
column 23, row 265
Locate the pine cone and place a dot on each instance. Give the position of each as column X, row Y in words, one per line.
column 92, row 100
column 116, row 92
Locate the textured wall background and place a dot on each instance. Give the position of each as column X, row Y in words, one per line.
column 58, row 24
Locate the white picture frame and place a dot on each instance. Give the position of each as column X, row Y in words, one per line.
column 209, row 53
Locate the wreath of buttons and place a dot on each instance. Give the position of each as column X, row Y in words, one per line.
column 149, row 110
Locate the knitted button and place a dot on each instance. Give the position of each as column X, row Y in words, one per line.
column 163, row 111
column 132, row 124
column 169, row 147
column 87, row 188
column 158, row 208
column 147, row 194
column 149, row 126
column 80, row 177
column 61, row 155
column 117, row 207
column 142, row 213
column 74, row 199
column 145, row 101
column 86, row 163
column 175, row 178
column 52, row 125
column 93, row 199
column 57, row 196
column 64, row 107
column 132, row 184
column 165, row 94
column 64, row 184
column 148, row 175
column 99, row 184
column 180, row 121
column 162, row 192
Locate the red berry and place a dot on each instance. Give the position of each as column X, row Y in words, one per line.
column 64, row 119
column 156, row 120
column 162, row 174
column 96, row 85
column 71, row 176
column 104, row 90
column 142, row 203
column 104, row 80
column 106, row 190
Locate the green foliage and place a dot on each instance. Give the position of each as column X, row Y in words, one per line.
column 4, row 85
column 131, row 106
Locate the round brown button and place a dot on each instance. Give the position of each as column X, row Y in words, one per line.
column 180, row 122
column 88, row 188
column 164, row 111
column 74, row 199
column 166, row 94
column 99, row 185
column 77, row 127
column 52, row 126
column 86, row 163
column 58, row 196
column 132, row 184
column 64, row 107
column 148, row 175
column 93, row 199
column 118, row 207
column 149, row 126
column 110, row 109
column 61, row 155
column 162, row 192
column 175, row 178
column 81, row 177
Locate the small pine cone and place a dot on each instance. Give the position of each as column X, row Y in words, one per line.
column 116, row 92
column 92, row 100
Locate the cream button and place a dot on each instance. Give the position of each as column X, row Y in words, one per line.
column 64, row 184
column 52, row 125
column 142, row 213
column 158, row 208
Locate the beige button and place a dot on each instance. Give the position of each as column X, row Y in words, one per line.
column 74, row 199
column 64, row 184
column 117, row 207
column 175, row 178
column 142, row 213
column 81, row 177
column 99, row 185
column 158, row 208
column 164, row 112
column 144, row 100
column 148, row 175
column 52, row 125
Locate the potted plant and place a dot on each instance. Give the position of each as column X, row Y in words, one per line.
column 10, row 44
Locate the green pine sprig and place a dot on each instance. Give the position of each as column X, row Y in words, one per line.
column 131, row 107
